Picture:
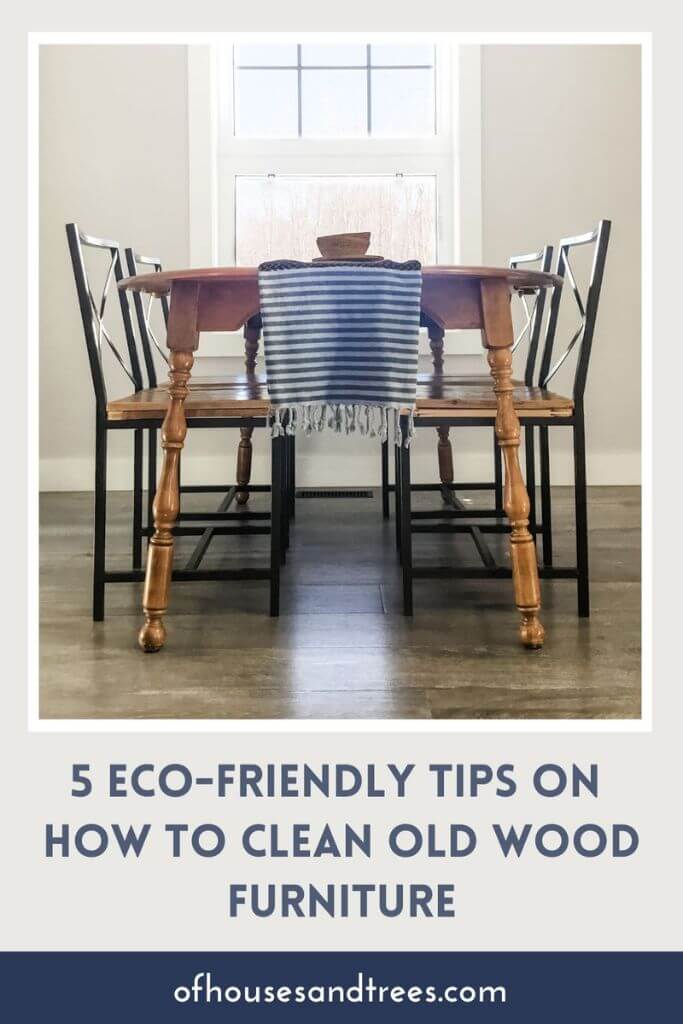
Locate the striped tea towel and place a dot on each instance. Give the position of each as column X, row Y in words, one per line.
column 340, row 343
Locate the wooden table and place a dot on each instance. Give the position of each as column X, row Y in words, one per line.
column 224, row 298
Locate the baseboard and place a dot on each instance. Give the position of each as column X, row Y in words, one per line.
column 335, row 469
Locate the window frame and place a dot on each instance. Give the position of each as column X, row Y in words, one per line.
column 217, row 156
column 357, row 156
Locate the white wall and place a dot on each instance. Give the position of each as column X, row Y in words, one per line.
column 114, row 157
column 113, row 160
column 555, row 172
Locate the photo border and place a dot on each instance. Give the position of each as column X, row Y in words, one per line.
column 294, row 725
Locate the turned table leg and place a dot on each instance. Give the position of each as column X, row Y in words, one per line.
column 243, row 473
column 498, row 337
column 252, row 333
column 165, row 507
column 444, row 450
column 445, row 454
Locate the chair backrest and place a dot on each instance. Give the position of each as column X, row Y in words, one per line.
column 588, row 310
column 533, row 304
column 93, row 312
column 144, row 305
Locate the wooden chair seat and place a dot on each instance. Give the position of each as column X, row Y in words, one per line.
column 239, row 380
column 463, row 379
column 241, row 396
column 247, row 395
column 451, row 398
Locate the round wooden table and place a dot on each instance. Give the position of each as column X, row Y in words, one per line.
column 225, row 298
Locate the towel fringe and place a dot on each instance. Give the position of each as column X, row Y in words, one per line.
column 369, row 420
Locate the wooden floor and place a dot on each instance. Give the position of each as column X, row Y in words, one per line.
column 341, row 648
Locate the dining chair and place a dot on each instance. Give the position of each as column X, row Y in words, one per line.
column 144, row 409
column 532, row 303
column 472, row 404
column 153, row 351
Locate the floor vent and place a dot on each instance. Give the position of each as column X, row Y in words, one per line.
column 334, row 493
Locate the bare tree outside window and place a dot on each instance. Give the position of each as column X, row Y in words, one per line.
column 280, row 217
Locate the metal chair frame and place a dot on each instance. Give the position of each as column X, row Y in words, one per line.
column 454, row 519
column 531, row 330
column 208, row 525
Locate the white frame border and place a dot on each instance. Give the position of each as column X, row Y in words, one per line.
column 293, row 726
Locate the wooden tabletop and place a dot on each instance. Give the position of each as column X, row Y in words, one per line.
column 160, row 283
column 447, row 291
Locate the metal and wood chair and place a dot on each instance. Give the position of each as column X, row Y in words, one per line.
column 154, row 351
column 532, row 305
column 470, row 403
column 238, row 404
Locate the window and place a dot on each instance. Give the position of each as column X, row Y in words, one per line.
column 334, row 91
column 290, row 139
column 320, row 137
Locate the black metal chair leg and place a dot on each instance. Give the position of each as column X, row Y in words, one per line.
column 286, row 462
column 137, row 499
column 581, row 507
column 397, row 496
column 530, row 466
column 276, row 488
column 406, row 534
column 546, row 503
column 100, row 531
column 385, row 479
column 292, row 477
column 151, row 476
column 498, row 476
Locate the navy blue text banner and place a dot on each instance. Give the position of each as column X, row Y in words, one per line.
column 501, row 987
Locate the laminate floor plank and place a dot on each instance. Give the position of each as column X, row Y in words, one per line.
column 341, row 649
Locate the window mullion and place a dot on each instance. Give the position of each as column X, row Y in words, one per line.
column 369, row 89
column 298, row 89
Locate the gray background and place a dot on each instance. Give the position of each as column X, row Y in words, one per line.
column 571, row 904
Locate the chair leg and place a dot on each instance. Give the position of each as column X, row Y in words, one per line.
column 581, row 511
column 276, row 488
column 292, row 477
column 137, row 499
column 286, row 459
column 546, row 503
column 397, row 496
column 100, row 532
column 385, row 479
column 498, row 476
column 151, row 475
column 530, row 466
column 406, row 533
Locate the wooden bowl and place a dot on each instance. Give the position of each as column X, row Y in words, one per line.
column 333, row 247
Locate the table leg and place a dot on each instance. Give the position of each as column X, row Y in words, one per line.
column 444, row 450
column 165, row 507
column 445, row 454
column 516, row 502
column 243, row 473
column 252, row 333
column 498, row 339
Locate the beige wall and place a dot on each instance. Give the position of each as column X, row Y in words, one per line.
column 555, row 173
column 114, row 157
